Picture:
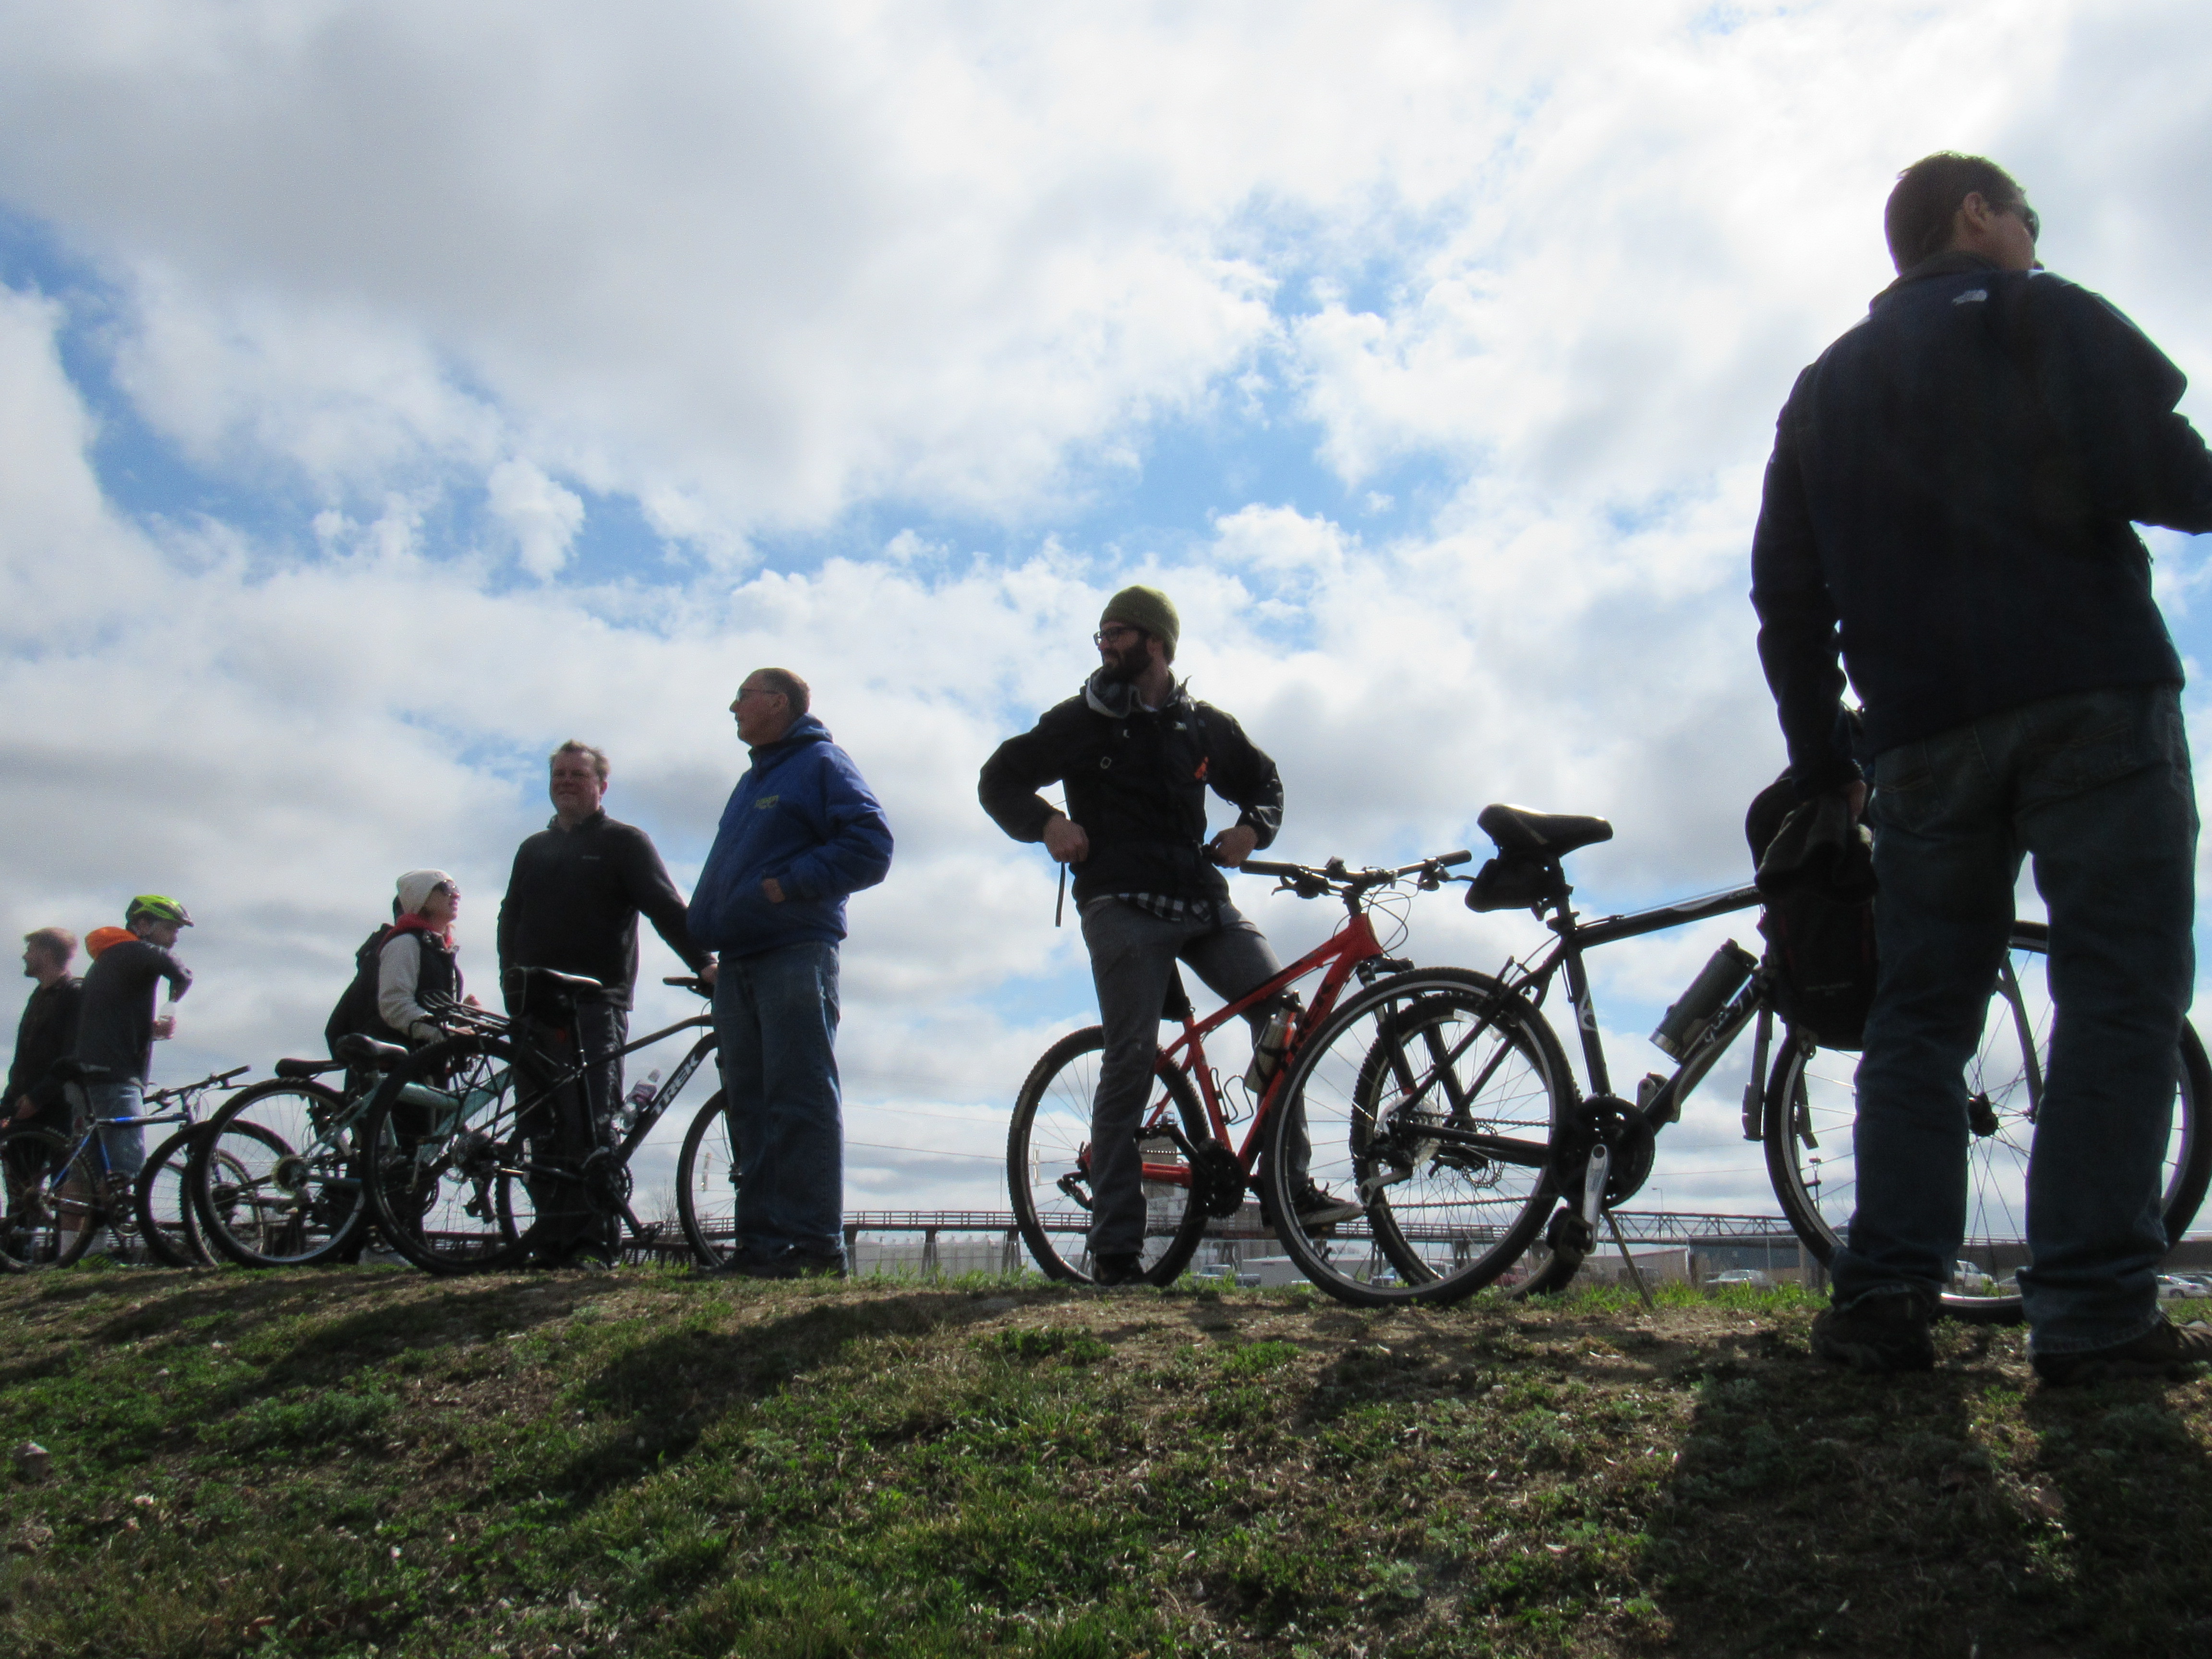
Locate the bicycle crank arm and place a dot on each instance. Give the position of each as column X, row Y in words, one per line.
column 1601, row 1165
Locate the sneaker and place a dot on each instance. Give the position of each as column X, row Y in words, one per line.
column 1117, row 1270
column 1876, row 1334
column 2164, row 1351
column 1319, row 1207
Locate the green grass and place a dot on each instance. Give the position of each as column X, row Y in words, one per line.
column 366, row 1461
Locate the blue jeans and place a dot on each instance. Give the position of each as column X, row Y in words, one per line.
column 125, row 1143
column 2095, row 789
column 775, row 1019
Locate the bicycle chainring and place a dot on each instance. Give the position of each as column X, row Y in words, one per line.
column 607, row 1181
column 1219, row 1179
column 1628, row 1135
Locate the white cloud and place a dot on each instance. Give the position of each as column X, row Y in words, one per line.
column 543, row 517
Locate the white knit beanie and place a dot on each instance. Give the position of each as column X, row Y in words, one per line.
column 416, row 887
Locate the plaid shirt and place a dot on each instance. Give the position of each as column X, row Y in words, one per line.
column 1197, row 912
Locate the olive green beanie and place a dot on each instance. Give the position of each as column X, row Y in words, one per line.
column 1146, row 608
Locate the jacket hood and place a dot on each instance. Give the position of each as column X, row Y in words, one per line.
column 805, row 730
column 1950, row 263
column 1117, row 699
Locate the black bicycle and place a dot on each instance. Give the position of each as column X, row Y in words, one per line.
column 274, row 1178
column 1455, row 1072
column 63, row 1192
column 469, row 1146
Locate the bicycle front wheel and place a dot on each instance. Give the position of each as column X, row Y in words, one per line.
column 1812, row 1104
column 707, row 1184
column 163, row 1201
column 53, row 1205
column 274, row 1176
column 1048, row 1164
column 449, row 1156
column 1428, row 1101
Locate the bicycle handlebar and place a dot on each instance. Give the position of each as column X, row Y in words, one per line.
column 691, row 983
column 176, row 1090
column 1334, row 878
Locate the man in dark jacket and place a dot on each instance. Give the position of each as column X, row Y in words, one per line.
column 47, row 1031
column 116, row 1026
column 573, row 901
column 801, row 831
column 1137, row 753
column 1949, row 504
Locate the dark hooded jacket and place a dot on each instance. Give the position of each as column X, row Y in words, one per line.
column 1949, row 504
column 1136, row 782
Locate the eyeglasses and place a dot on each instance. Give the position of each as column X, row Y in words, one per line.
column 1116, row 635
column 745, row 691
column 2031, row 219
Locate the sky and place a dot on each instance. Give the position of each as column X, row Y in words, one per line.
column 389, row 392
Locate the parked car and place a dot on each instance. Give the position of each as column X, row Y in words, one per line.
column 2174, row 1287
column 1741, row 1276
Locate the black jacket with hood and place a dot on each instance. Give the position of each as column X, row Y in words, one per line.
column 1136, row 782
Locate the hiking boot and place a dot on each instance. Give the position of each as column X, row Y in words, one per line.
column 1118, row 1270
column 1876, row 1334
column 2164, row 1351
column 1318, row 1207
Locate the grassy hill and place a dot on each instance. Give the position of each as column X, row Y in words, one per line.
column 366, row 1461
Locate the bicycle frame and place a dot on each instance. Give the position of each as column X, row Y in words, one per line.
column 1344, row 953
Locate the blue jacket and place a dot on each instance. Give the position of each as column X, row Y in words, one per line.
column 1948, row 504
column 802, row 815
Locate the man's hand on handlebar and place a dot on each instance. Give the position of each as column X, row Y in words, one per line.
column 1234, row 845
column 1064, row 840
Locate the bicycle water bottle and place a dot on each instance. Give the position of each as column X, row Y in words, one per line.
column 1721, row 978
column 1267, row 1055
column 641, row 1096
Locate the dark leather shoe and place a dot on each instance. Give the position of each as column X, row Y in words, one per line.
column 2164, row 1351
column 1117, row 1270
column 1877, row 1335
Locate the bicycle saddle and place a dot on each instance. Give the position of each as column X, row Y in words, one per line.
column 300, row 1068
column 359, row 1050
column 525, row 984
column 1540, row 835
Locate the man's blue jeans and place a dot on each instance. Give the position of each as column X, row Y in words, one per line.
column 776, row 1018
column 125, row 1144
column 2095, row 789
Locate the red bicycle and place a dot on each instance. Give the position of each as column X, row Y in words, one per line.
column 1415, row 1222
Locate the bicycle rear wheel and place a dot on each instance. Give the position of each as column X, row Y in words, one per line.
column 449, row 1155
column 1812, row 1104
column 163, row 1199
column 1048, row 1164
column 1429, row 1099
column 48, row 1222
column 274, row 1176
column 707, row 1184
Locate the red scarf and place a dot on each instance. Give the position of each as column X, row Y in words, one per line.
column 411, row 923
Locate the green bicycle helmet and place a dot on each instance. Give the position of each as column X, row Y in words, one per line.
column 158, row 906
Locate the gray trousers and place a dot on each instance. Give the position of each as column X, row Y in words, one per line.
column 1133, row 957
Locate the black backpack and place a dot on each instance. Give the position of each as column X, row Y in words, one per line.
column 355, row 1013
column 1816, row 876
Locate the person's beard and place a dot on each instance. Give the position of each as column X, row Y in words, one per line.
column 1124, row 667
